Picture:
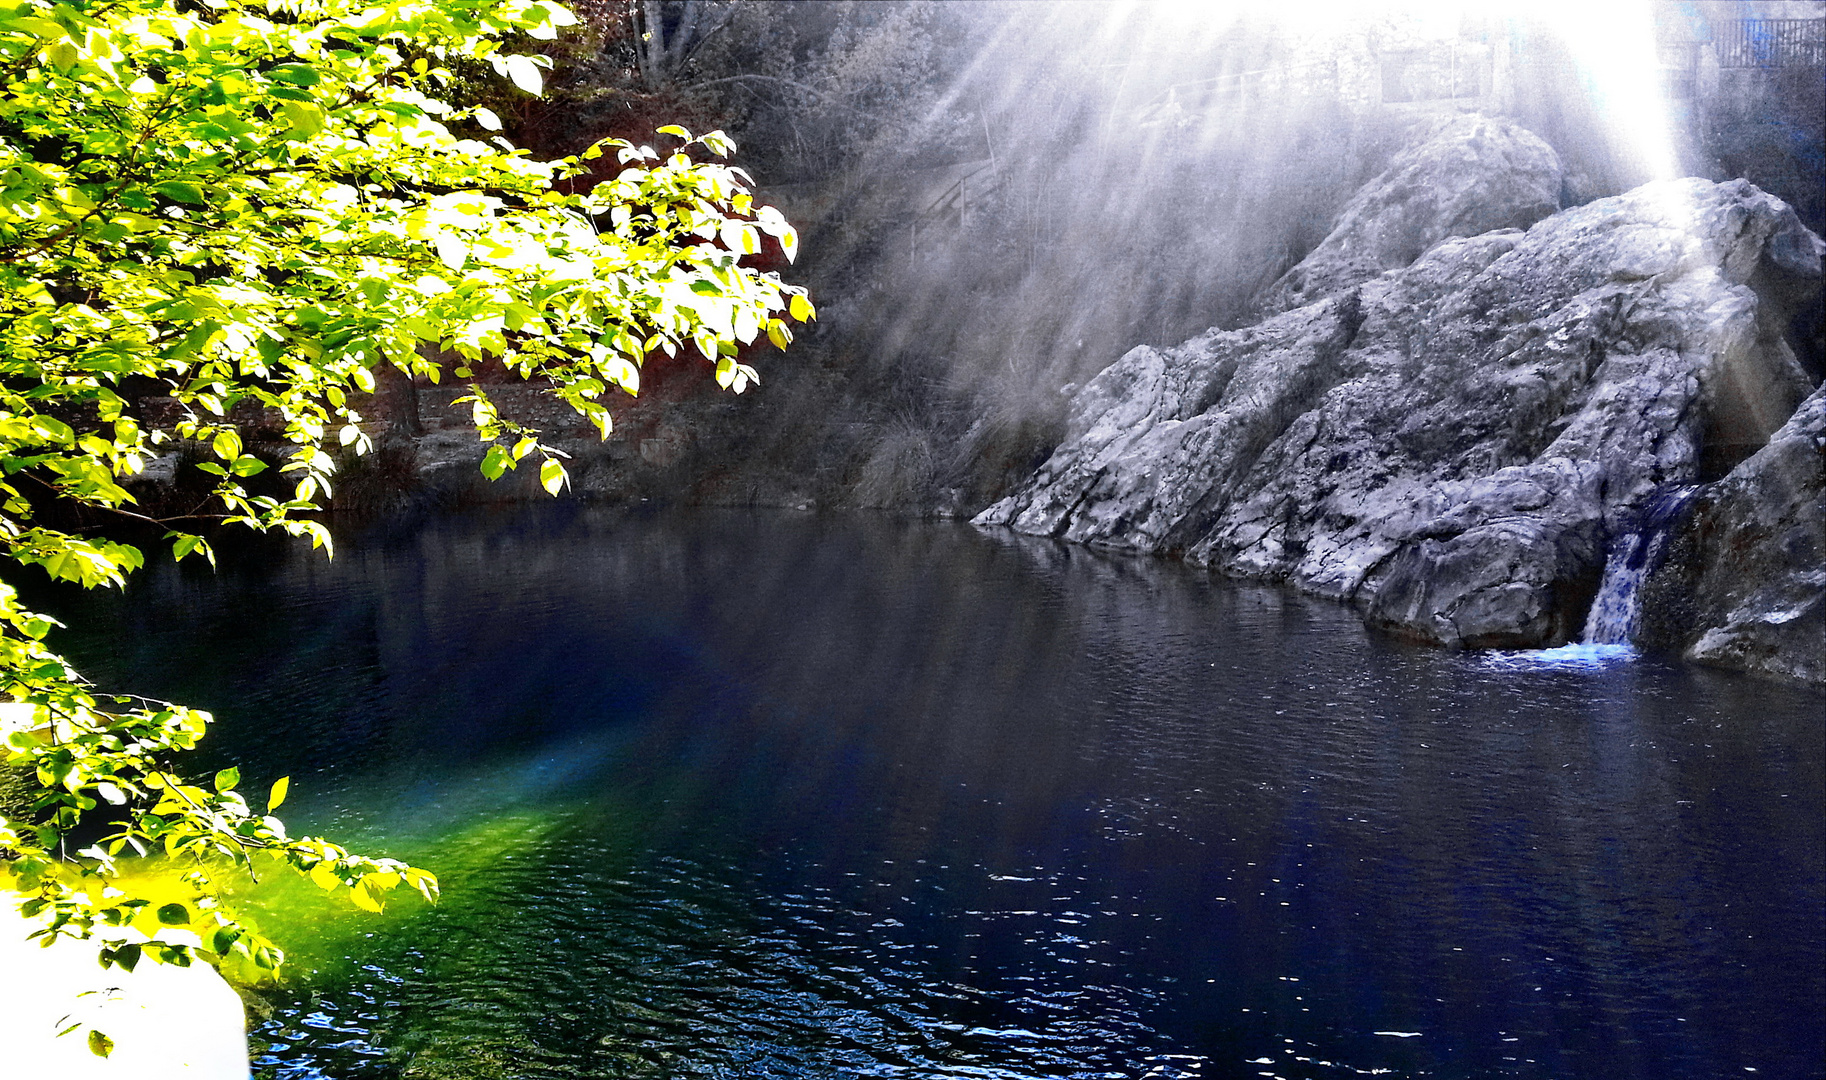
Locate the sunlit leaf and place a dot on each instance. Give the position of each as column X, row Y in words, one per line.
column 306, row 118
column 496, row 462
column 182, row 191
column 365, row 898
column 247, row 217
column 451, row 250
column 552, row 476
column 525, row 74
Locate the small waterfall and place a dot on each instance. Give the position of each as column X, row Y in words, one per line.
column 1617, row 611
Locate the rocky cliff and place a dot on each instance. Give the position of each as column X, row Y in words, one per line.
column 1465, row 175
column 1453, row 443
column 1744, row 581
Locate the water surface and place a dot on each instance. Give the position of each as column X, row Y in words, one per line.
column 729, row 794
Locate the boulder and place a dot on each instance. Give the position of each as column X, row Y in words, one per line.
column 1161, row 434
column 1744, row 581
column 1462, row 176
column 1453, row 444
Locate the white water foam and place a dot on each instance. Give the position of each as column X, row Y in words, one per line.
column 1579, row 654
column 1610, row 625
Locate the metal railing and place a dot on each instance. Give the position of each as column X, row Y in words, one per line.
column 1761, row 43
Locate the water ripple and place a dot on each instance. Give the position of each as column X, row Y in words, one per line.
column 723, row 794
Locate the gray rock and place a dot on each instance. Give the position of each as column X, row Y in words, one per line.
column 1744, row 583
column 1452, row 444
column 1160, row 435
column 1464, row 176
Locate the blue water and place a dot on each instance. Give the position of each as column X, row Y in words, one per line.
column 732, row 794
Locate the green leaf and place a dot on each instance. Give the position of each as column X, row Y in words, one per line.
column 366, row 898
column 63, row 56
column 249, row 214
column 183, row 544
column 298, row 74
column 552, row 476
column 223, row 940
column 99, row 1044
column 126, row 957
column 801, row 308
column 182, row 191
column 39, row 28
column 277, row 796
column 423, row 881
column 306, row 119
column 495, row 462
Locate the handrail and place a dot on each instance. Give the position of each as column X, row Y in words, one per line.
column 1764, row 43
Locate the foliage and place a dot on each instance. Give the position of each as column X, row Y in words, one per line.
column 248, row 208
column 813, row 90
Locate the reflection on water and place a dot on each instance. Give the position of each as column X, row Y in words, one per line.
column 721, row 794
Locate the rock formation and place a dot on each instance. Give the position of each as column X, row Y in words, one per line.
column 1744, row 582
column 1452, row 444
column 1468, row 174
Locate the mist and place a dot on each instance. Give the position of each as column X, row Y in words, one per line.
column 999, row 199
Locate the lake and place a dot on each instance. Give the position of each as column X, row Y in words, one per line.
column 719, row 793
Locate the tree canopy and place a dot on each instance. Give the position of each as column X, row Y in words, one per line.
column 248, row 208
